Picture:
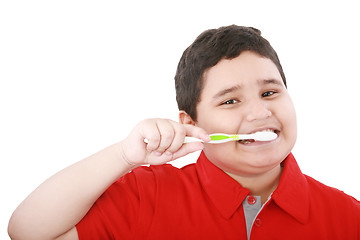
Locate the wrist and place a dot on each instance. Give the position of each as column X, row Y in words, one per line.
column 122, row 156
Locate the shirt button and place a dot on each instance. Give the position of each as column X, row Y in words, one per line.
column 251, row 200
column 258, row 222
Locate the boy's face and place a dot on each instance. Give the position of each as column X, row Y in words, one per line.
column 245, row 95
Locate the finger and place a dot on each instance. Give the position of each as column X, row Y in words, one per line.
column 187, row 149
column 167, row 133
column 148, row 130
column 179, row 136
column 156, row 158
column 194, row 131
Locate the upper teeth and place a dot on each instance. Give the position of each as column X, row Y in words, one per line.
column 267, row 130
column 264, row 135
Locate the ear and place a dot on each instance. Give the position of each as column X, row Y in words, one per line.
column 184, row 118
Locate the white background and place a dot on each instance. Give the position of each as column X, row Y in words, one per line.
column 76, row 76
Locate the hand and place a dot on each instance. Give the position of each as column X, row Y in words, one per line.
column 166, row 142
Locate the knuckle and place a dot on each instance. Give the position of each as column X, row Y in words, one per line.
column 167, row 137
column 182, row 131
column 155, row 138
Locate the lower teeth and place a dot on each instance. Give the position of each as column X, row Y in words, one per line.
column 246, row 141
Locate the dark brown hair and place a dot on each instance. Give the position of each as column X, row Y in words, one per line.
column 207, row 50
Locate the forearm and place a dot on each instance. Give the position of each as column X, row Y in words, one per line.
column 58, row 204
column 61, row 202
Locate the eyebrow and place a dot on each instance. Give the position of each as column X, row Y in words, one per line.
column 226, row 91
column 238, row 87
column 271, row 81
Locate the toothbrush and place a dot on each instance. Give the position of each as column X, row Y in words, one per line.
column 223, row 138
column 258, row 136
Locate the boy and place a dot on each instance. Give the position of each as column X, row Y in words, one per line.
column 229, row 80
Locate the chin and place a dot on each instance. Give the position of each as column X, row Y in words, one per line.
column 246, row 161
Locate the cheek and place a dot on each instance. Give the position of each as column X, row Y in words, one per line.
column 288, row 117
column 293, row 126
column 218, row 123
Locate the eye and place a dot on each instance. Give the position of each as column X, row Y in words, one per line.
column 268, row 93
column 230, row 101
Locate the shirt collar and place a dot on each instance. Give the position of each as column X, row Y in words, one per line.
column 227, row 195
column 292, row 194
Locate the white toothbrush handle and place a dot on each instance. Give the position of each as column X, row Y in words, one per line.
column 192, row 139
column 186, row 140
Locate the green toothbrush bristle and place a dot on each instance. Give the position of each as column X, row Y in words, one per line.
column 218, row 137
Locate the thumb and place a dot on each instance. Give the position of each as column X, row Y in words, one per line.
column 188, row 148
column 155, row 158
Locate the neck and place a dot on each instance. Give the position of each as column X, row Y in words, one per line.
column 260, row 184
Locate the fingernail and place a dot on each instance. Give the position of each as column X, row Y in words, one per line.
column 206, row 138
column 168, row 153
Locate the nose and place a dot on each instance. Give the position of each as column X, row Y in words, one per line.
column 257, row 110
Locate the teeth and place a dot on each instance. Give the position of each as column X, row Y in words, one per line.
column 261, row 137
column 267, row 130
column 246, row 141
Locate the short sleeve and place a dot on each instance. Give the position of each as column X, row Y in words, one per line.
column 114, row 214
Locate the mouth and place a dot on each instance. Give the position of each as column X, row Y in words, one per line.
column 249, row 141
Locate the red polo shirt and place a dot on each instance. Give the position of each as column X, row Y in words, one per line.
column 200, row 201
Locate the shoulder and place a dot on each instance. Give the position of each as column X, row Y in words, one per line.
column 145, row 179
column 164, row 175
column 153, row 172
column 131, row 201
column 325, row 190
column 330, row 196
